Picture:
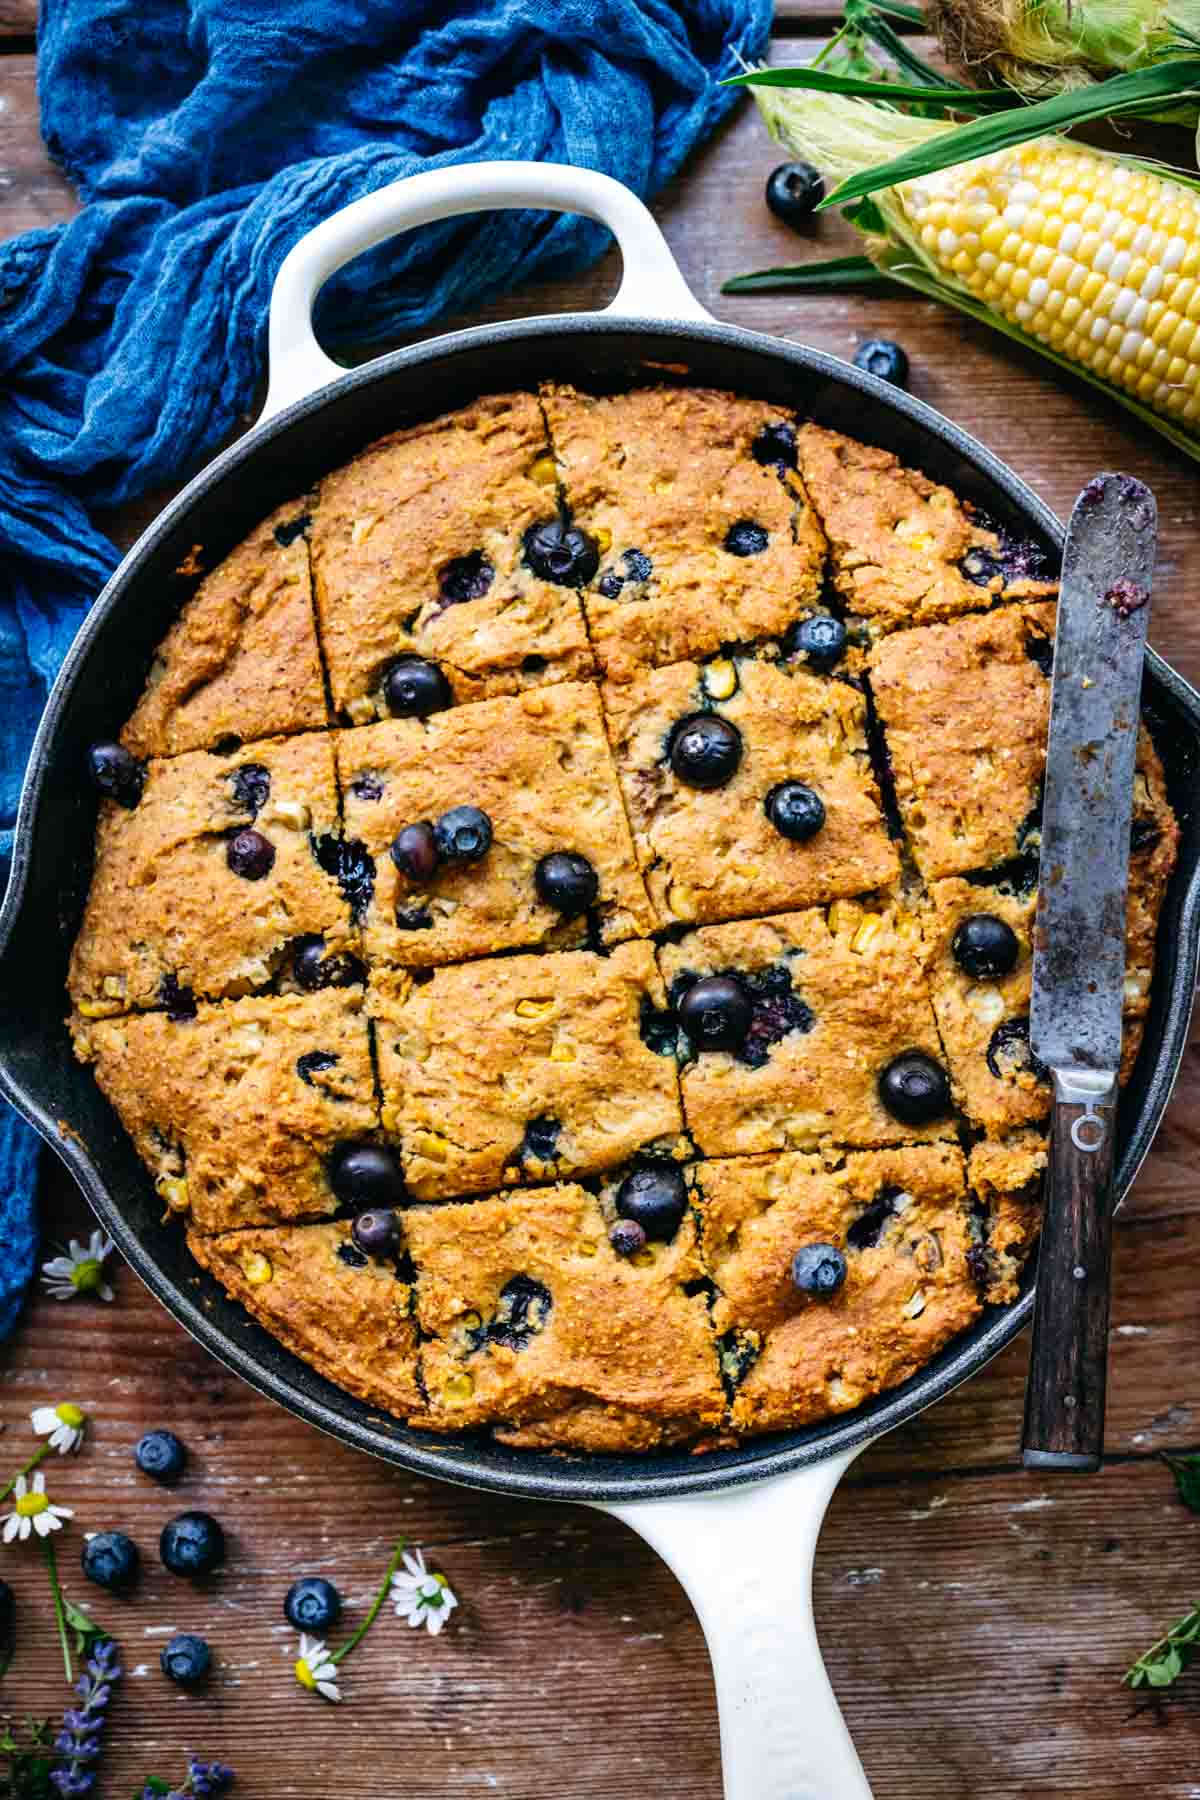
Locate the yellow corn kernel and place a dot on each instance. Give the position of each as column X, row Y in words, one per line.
column 561, row 1053
column 533, row 1009
column 720, row 679
column 97, row 1009
column 458, row 1390
column 292, row 813
column 431, row 1145
column 174, row 1190
column 867, row 932
column 588, row 1247
column 113, row 987
column 544, row 470
column 256, row 1267
column 472, row 1321
column 603, row 537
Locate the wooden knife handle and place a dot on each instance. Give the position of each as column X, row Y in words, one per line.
column 1064, row 1394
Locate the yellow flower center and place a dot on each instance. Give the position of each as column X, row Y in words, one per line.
column 87, row 1275
column 304, row 1675
column 69, row 1414
column 30, row 1505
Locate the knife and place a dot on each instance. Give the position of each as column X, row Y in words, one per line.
column 1079, row 954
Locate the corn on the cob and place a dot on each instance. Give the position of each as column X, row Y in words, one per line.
column 1094, row 257
column 1038, row 46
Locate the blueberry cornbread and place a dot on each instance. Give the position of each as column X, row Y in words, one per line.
column 459, row 815
column 526, row 1069
column 443, row 542
column 208, row 883
column 560, row 930
column 238, row 1109
column 748, row 786
column 241, row 662
column 698, row 528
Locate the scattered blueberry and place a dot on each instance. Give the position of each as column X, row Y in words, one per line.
column 914, row 1088
column 715, row 1012
column 567, row 882
column 111, row 1560
column 655, row 1199
column 705, row 750
column 463, row 834
column 193, row 1544
column 794, row 191
column 352, row 866
column 251, row 787
column 627, row 1237
column 250, row 855
column 819, row 1269
column 561, row 553
column 185, row 1658
column 880, row 356
column 160, row 1455
column 985, row 946
column 796, row 811
column 414, row 688
column 821, row 638
column 367, row 1175
column 312, row 1604
column 415, row 852
column 775, row 446
column 745, row 538
column 465, row 578
column 117, row 774
column 312, row 969
column 377, row 1232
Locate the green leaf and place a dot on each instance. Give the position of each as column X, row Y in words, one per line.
column 822, row 81
column 837, row 272
column 1141, row 91
column 87, row 1632
column 1165, row 1661
column 156, row 1784
column 1186, row 1470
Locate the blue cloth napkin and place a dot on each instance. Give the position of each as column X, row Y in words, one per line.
column 204, row 140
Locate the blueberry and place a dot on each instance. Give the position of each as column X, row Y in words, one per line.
column 185, row 1658
column 705, row 750
column 561, row 553
column 796, row 811
column 775, row 446
column 111, row 1560
column 250, row 855
column 819, row 1269
column 251, row 787
column 610, row 586
column 715, row 1012
column 794, row 191
column 627, row 1237
column 1010, row 1054
column 312, row 1604
column 914, row 1088
column 745, row 538
column 366, row 1175
column 312, row 969
column 465, row 578
column 160, row 1455
column 880, row 356
column 377, row 1232
column 414, row 688
column 821, row 638
column 463, row 834
column 117, row 774
column 985, row 946
column 638, row 566
column 567, row 882
column 655, row 1199
column 415, row 852
column 314, row 1062
column 192, row 1544
column 353, row 1258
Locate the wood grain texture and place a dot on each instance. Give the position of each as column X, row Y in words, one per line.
column 18, row 19
column 976, row 1619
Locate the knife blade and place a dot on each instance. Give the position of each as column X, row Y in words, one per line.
column 1079, row 952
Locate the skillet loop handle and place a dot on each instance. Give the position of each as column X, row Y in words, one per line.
column 745, row 1558
column 651, row 285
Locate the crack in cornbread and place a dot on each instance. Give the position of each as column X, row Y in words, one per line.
column 540, row 925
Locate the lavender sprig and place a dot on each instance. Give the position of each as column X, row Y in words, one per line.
column 77, row 1745
column 203, row 1781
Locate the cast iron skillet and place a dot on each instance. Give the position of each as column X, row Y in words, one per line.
column 746, row 1555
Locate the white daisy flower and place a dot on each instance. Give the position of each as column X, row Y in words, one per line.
column 33, row 1512
column 420, row 1596
column 81, row 1270
column 316, row 1669
column 63, row 1424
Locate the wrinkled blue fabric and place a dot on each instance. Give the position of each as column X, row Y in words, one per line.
column 204, row 140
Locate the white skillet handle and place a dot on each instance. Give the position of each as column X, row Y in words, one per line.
column 745, row 1557
column 651, row 285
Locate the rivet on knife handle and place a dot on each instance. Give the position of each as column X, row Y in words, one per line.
column 1079, row 954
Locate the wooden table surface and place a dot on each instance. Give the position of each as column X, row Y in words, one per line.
column 976, row 1619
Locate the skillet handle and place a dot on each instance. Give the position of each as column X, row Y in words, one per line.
column 651, row 285
column 745, row 1558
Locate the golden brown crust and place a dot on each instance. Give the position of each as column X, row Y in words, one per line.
column 241, row 661
column 1006, row 1178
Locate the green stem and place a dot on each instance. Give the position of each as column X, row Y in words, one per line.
column 59, row 1615
column 352, row 1642
column 35, row 1459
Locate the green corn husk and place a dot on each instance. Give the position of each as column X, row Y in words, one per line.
column 848, row 138
column 1041, row 46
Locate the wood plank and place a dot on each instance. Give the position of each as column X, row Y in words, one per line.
column 33, row 191
column 18, row 19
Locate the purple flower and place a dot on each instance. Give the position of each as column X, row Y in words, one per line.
column 78, row 1743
